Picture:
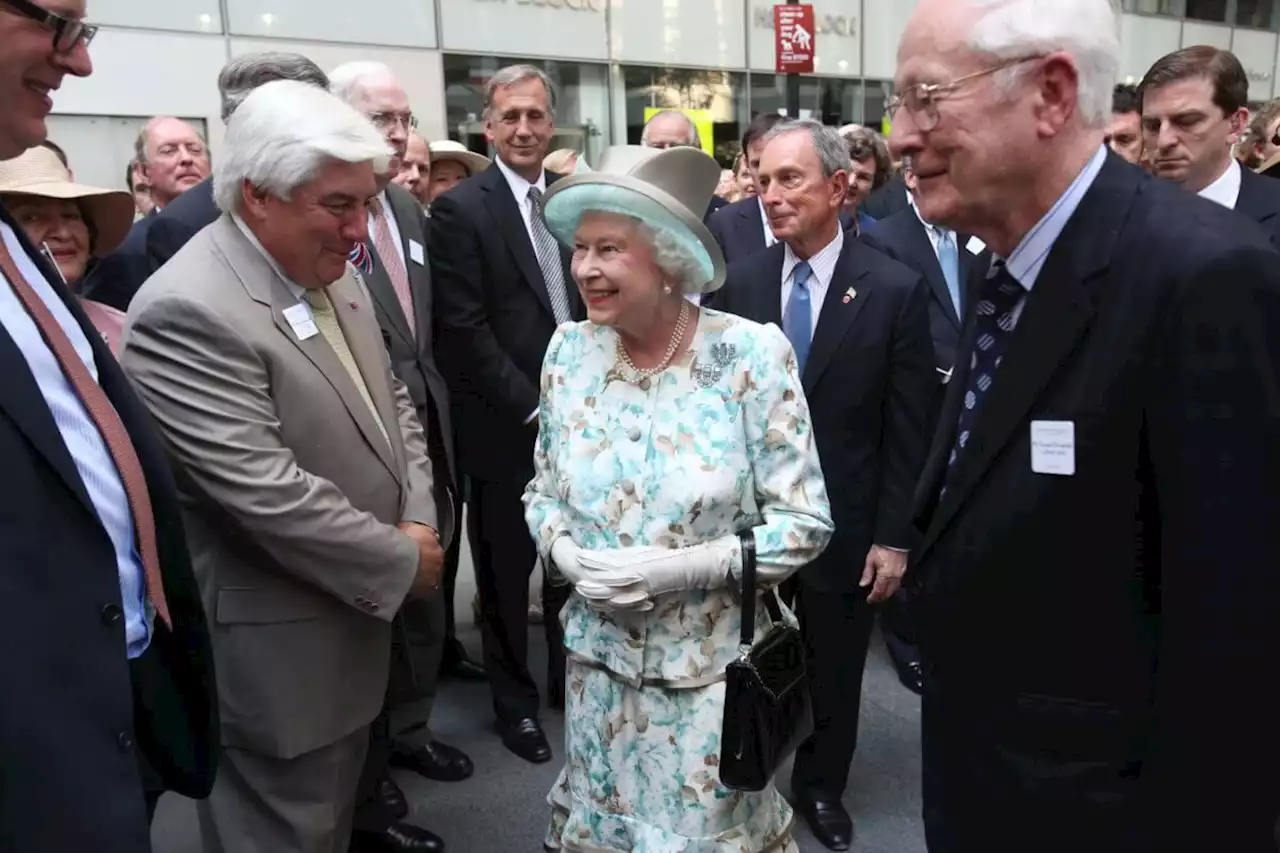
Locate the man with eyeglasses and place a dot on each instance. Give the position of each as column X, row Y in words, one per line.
column 106, row 667
column 674, row 129
column 399, row 280
column 1092, row 589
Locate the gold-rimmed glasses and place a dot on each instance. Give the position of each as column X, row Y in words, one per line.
column 921, row 99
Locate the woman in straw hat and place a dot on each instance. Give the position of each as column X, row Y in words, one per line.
column 70, row 223
column 665, row 432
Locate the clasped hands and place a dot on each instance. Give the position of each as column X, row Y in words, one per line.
column 630, row 578
column 430, row 558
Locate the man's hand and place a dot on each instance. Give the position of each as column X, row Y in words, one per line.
column 430, row 558
column 884, row 567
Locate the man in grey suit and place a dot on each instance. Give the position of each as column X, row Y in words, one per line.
column 310, row 507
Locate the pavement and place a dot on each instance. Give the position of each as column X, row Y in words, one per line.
column 502, row 808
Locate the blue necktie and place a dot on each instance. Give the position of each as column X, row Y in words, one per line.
column 797, row 319
column 994, row 313
column 949, row 260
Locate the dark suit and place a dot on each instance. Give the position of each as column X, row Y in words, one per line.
column 871, row 388
column 150, row 244
column 738, row 228
column 77, row 716
column 888, row 200
column 1095, row 641
column 494, row 320
column 712, row 206
column 1259, row 200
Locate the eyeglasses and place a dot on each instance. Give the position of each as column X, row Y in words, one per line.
column 386, row 121
column 921, row 100
column 664, row 145
column 68, row 34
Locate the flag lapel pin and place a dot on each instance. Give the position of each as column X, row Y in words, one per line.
column 849, row 296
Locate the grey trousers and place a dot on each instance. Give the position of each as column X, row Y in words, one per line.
column 261, row 804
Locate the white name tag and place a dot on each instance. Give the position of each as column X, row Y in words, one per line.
column 299, row 319
column 975, row 246
column 416, row 254
column 1053, row 447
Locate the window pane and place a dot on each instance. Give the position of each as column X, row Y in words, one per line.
column 197, row 16
column 831, row 101
column 405, row 23
column 721, row 93
column 1256, row 13
column 1207, row 10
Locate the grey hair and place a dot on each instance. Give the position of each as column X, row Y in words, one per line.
column 283, row 134
column 347, row 79
column 1088, row 30
column 245, row 73
column 833, row 151
column 673, row 258
column 691, row 139
column 513, row 74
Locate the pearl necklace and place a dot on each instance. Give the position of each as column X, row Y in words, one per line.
column 677, row 335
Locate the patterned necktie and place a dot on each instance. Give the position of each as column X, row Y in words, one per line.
column 995, row 320
column 326, row 320
column 104, row 415
column 392, row 262
column 797, row 320
column 949, row 260
column 548, row 252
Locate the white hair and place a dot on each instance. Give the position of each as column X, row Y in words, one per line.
column 1088, row 30
column 691, row 136
column 281, row 136
column 347, row 79
column 672, row 257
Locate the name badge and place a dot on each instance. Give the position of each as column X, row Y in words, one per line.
column 300, row 320
column 1053, row 448
column 975, row 246
column 416, row 254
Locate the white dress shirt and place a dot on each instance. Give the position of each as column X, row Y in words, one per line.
column 769, row 239
column 1226, row 190
column 80, row 434
column 520, row 189
column 822, row 265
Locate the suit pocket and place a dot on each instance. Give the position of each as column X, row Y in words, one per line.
column 250, row 606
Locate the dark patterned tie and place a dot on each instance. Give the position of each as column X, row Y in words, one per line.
column 548, row 252
column 995, row 320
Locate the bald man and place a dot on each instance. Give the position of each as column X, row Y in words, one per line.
column 172, row 158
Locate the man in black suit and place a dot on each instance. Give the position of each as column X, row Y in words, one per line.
column 503, row 287
column 1092, row 593
column 741, row 228
column 157, row 238
column 107, row 671
column 1195, row 106
column 859, row 323
column 889, row 199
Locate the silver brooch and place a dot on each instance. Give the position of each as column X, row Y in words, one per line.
column 722, row 355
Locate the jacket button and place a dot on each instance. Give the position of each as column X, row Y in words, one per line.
column 125, row 741
column 111, row 614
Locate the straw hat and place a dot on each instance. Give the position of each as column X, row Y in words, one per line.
column 447, row 149
column 668, row 189
column 1271, row 166
column 39, row 172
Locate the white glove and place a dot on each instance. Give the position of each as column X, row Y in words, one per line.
column 591, row 585
column 659, row 570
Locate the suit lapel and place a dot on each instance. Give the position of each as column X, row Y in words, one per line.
column 1257, row 199
column 369, row 355
column 1055, row 316
column 752, row 230
column 383, row 293
column 767, row 293
column 837, row 315
column 923, row 247
column 506, row 213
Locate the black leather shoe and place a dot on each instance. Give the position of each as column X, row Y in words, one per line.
column 434, row 760
column 397, row 838
column 525, row 738
column 455, row 664
column 828, row 821
column 391, row 798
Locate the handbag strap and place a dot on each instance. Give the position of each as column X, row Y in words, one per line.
column 748, row 635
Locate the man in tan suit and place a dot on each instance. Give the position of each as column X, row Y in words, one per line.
column 310, row 509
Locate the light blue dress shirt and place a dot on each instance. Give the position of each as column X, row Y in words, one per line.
column 80, row 435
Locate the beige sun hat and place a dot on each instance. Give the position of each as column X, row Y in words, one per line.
column 38, row 172
column 447, row 149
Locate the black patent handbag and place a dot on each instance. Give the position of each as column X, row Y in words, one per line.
column 767, row 711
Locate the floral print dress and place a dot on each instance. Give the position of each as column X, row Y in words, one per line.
column 718, row 443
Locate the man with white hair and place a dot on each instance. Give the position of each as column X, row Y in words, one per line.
column 310, row 509
column 674, row 129
column 1092, row 592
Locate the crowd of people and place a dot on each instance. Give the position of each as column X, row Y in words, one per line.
column 1004, row 382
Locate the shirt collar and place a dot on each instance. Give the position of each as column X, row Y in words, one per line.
column 1226, row 189
column 519, row 186
column 1026, row 261
column 296, row 289
column 822, row 263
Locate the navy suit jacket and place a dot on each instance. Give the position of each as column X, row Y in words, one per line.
column 76, row 712
column 902, row 236
column 1259, row 200
column 872, row 393
column 1105, row 630
column 150, row 244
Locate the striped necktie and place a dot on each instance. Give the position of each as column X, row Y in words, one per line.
column 548, row 252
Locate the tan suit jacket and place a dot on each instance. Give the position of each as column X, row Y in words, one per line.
column 292, row 492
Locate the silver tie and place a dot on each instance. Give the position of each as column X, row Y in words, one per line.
column 548, row 252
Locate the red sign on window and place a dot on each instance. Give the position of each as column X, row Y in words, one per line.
column 794, row 35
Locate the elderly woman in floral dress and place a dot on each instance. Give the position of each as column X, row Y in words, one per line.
column 665, row 432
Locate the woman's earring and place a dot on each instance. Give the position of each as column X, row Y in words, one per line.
column 666, row 288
